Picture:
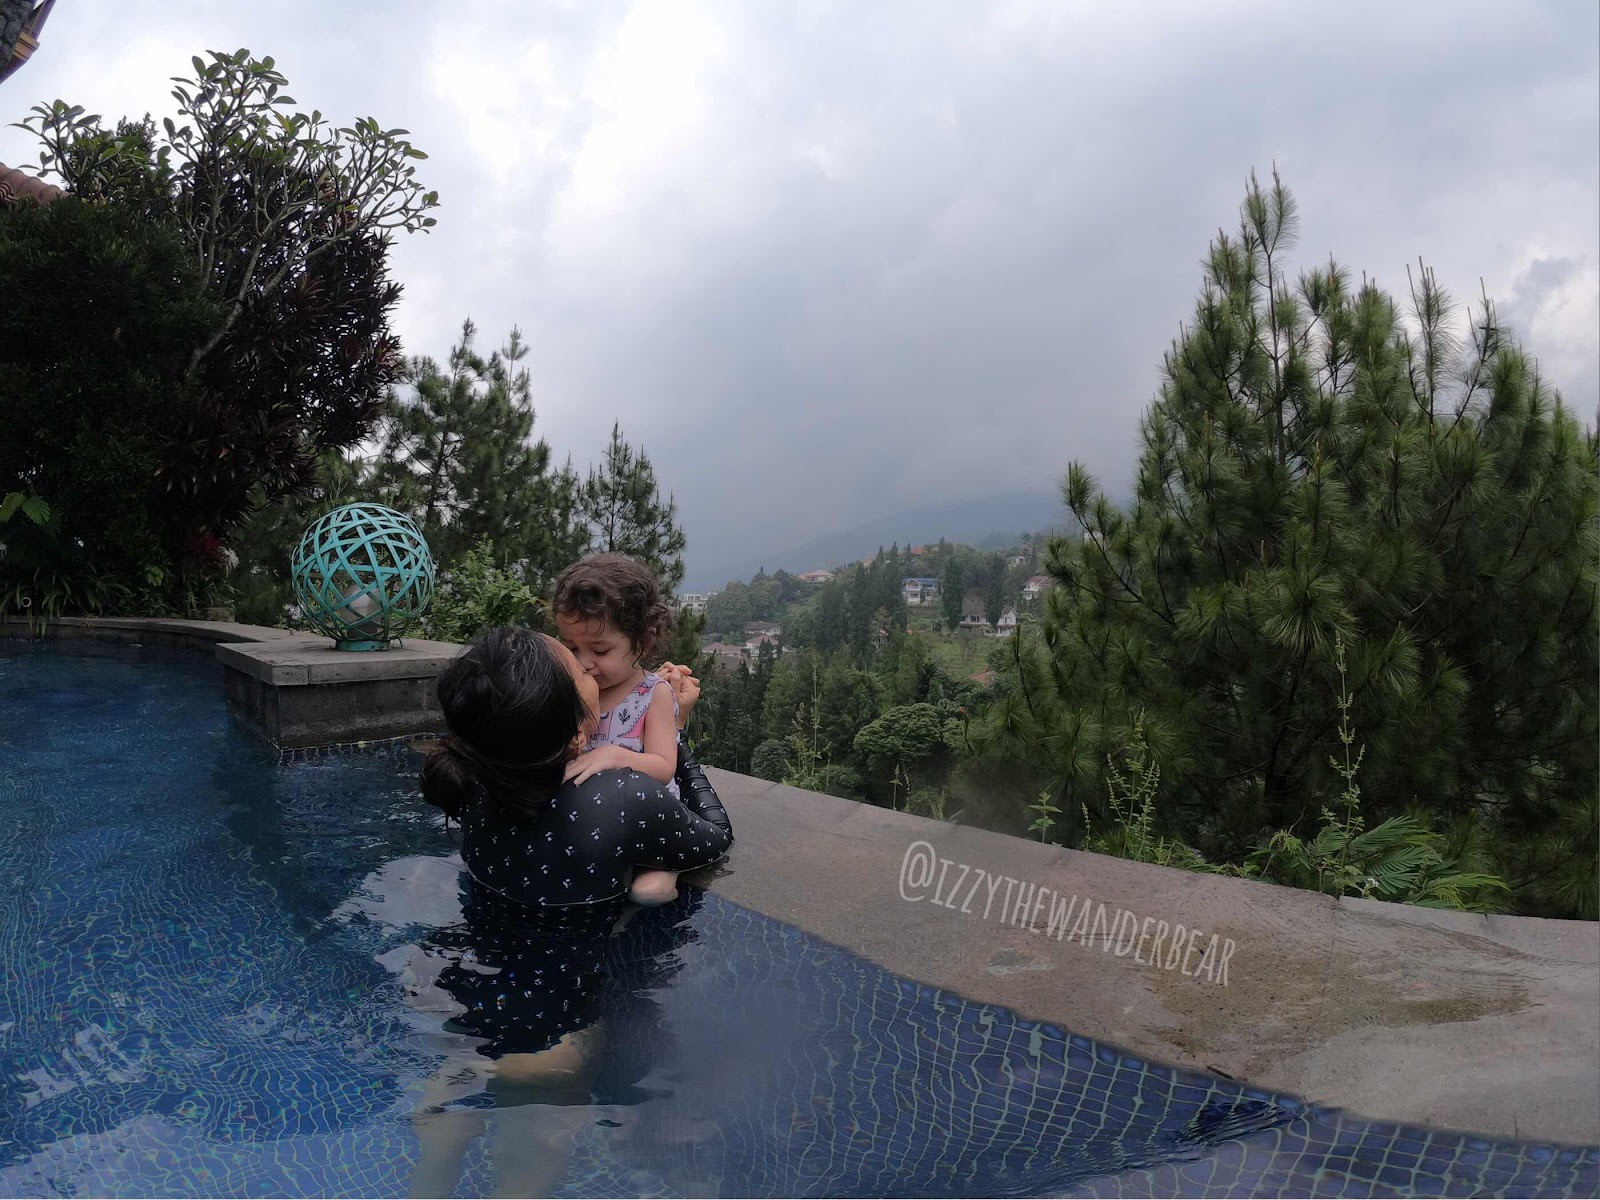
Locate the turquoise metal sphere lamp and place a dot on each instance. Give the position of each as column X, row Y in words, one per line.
column 363, row 575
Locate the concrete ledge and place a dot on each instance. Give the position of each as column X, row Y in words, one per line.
column 1452, row 1020
column 300, row 659
column 300, row 692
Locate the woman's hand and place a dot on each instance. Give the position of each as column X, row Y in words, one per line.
column 601, row 758
column 685, row 688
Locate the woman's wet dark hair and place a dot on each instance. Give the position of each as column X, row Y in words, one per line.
column 615, row 588
column 513, row 710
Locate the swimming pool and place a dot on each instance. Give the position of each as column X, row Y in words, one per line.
column 193, row 939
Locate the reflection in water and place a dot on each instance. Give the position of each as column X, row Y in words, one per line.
column 527, row 1060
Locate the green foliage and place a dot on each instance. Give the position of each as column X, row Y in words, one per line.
column 43, row 576
column 210, row 373
column 477, row 594
column 261, row 593
column 687, row 629
column 771, row 760
column 457, row 456
column 1400, row 860
column 1320, row 467
column 995, row 592
column 952, row 593
column 91, row 382
column 621, row 503
column 929, row 802
column 907, row 732
column 728, row 721
column 729, row 611
column 1044, row 811
column 34, row 508
column 1131, row 789
column 807, row 754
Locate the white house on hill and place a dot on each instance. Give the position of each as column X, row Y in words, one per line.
column 1035, row 587
column 1007, row 625
column 918, row 591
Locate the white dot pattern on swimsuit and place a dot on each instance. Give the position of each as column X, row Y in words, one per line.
column 578, row 850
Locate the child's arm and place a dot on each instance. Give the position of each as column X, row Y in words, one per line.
column 658, row 759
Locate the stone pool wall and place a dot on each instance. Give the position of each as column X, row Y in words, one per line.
column 1487, row 1024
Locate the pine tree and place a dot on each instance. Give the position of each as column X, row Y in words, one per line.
column 622, row 504
column 994, row 589
column 953, row 587
column 1316, row 468
column 456, row 455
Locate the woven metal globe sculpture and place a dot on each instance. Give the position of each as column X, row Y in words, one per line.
column 363, row 576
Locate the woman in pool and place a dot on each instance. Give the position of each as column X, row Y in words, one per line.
column 548, row 866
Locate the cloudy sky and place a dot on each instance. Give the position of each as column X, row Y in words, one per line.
column 826, row 261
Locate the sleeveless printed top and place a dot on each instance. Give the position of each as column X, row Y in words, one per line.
column 624, row 724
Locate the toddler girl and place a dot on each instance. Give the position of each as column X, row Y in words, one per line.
column 609, row 612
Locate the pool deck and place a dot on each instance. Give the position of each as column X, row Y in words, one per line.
column 1485, row 1024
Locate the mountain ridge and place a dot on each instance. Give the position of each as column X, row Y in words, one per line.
column 968, row 521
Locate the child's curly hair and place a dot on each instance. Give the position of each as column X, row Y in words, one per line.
column 616, row 589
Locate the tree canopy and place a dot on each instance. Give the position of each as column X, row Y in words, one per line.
column 285, row 221
column 1320, row 467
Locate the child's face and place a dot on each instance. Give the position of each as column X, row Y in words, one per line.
column 588, row 689
column 601, row 649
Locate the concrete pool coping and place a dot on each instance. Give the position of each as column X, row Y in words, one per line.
column 1487, row 1024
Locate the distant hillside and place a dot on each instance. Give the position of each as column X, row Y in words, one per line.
column 995, row 521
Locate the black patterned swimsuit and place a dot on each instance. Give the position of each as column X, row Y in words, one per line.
column 542, row 894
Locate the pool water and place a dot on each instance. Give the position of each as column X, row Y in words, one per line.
column 203, row 953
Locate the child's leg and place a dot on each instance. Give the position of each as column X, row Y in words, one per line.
column 651, row 887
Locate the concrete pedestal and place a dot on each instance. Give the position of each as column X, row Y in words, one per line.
column 299, row 691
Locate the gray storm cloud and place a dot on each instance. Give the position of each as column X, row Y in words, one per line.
column 826, row 261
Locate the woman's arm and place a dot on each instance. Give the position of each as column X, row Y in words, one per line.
column 674, row 836
column 698, row 794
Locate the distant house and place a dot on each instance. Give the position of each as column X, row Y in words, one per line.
column 756, row 628
column 918, row 550
column 726, row 655
column 752, row 648
column 815, row 577
column 920, row 590
column 975, row 621
column 1007, row 624
column 695, row 602
column 1035, row 587
column 1016, row 560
